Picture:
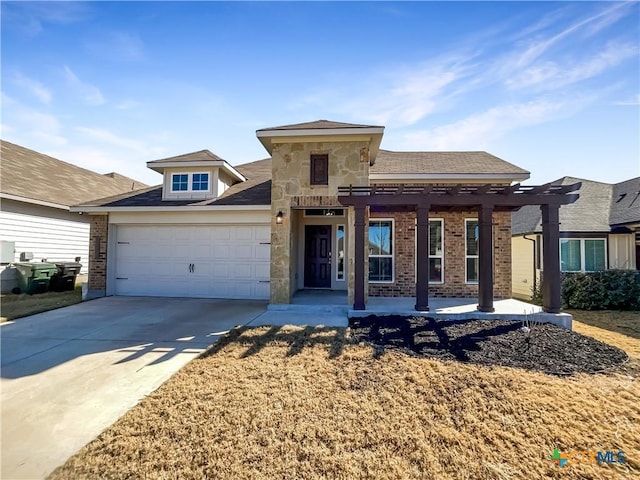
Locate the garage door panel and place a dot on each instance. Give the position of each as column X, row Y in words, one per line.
column 227, row 261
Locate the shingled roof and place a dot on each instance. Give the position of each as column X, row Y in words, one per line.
column 31, row 175
column 625, row 203
column 600, row 208
column 256, row 190
column 318, row 125
column 199, row 156
column 461, row 163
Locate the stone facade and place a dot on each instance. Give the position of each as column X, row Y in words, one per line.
column 98, row 236
column 454, row 256
column 291, row 164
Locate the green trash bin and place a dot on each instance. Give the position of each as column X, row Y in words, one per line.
column 34, row 277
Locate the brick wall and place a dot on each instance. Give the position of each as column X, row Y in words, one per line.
column 454, row 256
column 98, row 252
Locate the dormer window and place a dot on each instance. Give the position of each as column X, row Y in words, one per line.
column 189, row 182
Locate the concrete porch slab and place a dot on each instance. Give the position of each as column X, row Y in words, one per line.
column 309, row 307
column 462, row 309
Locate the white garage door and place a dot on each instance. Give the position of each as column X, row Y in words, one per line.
column 221, row 261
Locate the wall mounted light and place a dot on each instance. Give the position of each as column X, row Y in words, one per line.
column 279, row 217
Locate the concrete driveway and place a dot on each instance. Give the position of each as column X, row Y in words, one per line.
column 68, row 374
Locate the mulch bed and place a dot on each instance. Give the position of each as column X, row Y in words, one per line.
column 545, row 348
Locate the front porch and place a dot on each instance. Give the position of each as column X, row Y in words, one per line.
column 317, row 303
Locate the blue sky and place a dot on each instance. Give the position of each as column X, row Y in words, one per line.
column 550, row 86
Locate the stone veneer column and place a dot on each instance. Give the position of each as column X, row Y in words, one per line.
column 280, row 281
column 291, row 189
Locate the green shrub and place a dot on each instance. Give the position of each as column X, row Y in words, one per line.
column 605, row 290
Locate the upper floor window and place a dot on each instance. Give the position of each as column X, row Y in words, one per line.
column 319, row 169
column 189, row 182
column 583, row 254
column 200, row 181
column 180, row 182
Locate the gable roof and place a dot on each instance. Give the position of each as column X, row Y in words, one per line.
column 199, row 156
column 256, row 190
column 596, row 210
column 318, row 125
column 31, row 176
column 442, row 163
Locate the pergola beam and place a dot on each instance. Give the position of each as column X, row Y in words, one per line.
column 486, row 199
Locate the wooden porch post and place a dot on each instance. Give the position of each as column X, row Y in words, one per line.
column 358, row 283
column 422, row 259
column 551, row 285
column 485, row 258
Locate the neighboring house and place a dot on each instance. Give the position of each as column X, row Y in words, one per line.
column 599, row 231
column 36, row 192
column 267, row 229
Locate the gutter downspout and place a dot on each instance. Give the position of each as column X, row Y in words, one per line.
column 533, row 243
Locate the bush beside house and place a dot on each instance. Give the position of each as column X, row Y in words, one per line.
column 603, row 290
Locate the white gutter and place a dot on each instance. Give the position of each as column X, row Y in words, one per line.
column 189, row 208
column 43, row 203
column 447, row 176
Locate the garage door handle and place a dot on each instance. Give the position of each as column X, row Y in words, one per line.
column 263, row 281
column 122, row 278
column 193, row 268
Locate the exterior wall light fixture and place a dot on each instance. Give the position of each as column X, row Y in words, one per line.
column 279, row 217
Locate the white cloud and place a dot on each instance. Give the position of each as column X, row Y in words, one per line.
column 478, row 131
column 111, row 138
column 118, row 46
column 27, row 125
column 90, row 94
column 132, row 146
column 552, row 75
column 631, row 101
column 33, row 88
column 403, row 97
column 590, row 25
column 31, row 17
column 128, row 104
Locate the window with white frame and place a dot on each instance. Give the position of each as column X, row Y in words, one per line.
column 189, row 182
column 436, row 250
column 583, row 254
column 471, row 250
column 340, row 253
column 380, row 251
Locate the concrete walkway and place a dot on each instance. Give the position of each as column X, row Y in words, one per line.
column 70, row 373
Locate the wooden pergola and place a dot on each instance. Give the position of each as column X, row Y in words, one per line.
column 485, row 199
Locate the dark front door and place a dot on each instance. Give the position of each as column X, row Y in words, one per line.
column 317, row 257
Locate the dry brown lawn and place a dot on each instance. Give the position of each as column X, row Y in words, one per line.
column 305, row 403
column 14, row 306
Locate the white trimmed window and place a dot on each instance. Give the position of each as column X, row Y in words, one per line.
column 583, row 254
column 471, row 250
column 381, row 251
column 436, row 250
column 190, row 182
